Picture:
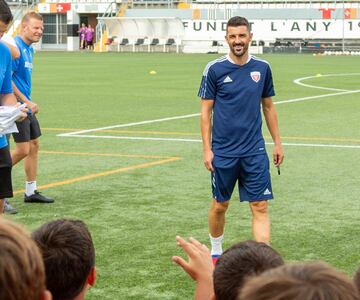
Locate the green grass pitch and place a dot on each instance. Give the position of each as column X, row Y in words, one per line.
column 137, row 194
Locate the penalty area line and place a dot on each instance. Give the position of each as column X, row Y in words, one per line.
column 297, row 81
column 80, row 132
column 199, row 141
column 130, row 124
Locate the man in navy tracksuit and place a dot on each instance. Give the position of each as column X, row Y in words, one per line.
column 232, row 91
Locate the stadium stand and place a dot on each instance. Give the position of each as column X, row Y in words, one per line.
column 309, row 26
column 311, row 45
column 144, row 34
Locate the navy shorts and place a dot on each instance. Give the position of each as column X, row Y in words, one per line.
column 29, row 129
column 251, row 172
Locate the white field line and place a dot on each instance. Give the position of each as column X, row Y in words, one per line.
column 296, row 81
column 318, row 145
column 129, row 124
column 316, row 97
column 199, row 141
column 68, row 134
column 135, row 138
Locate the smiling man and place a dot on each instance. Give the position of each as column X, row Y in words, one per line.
column 27, row 140
column 232, row 91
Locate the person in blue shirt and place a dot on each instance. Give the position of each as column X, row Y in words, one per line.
column 232, row 91
column 6, row 98
column 5, row 94
column 27, row 140
column 6, row 17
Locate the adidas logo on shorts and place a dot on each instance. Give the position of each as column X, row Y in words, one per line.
column 267, row 192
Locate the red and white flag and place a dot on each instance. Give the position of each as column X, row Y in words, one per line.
column 350, row 13
column 60, row 8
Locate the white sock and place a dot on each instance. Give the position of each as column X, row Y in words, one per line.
column 216, row 244
column 30, row 188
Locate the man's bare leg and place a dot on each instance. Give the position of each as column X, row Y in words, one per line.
column 216, row 225
column 260, row 221
column 31, row 161
column 29, row 151
column 21, row 151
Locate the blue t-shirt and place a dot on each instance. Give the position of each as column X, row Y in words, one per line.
column 237, row 92
column 22, row 67
column 5, row 80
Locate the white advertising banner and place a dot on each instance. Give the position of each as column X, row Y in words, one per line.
column 269, row 30
column 98, row 8
column 44, row 8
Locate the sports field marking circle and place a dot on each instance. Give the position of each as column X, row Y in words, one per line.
column 299, row 81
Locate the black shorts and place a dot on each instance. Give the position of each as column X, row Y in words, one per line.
column 29, row 129
column 5, row 173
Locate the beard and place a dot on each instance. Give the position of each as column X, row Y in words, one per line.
column 239, row 49
column 34, row 39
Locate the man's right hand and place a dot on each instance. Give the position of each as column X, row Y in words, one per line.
column 23, row 115
column 33, row 107
column 208, row 158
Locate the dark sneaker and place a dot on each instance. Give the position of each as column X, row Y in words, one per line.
column 9, row 209
column 37, row 198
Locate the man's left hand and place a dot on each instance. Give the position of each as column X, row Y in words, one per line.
column 278, row 154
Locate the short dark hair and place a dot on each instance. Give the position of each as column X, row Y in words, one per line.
column 238, row 21
column 69, row 256
column 244, row 259
column 5, row 13
column 311, row 281
column 21, row 266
